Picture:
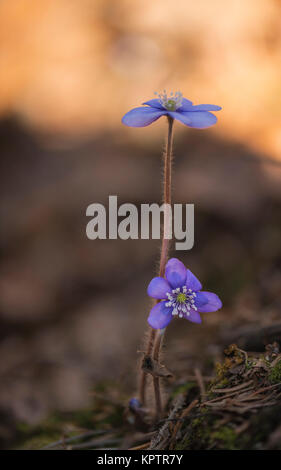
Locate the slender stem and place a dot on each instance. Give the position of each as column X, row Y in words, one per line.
column 143, row 377
column 156, row 380
column 167, row 189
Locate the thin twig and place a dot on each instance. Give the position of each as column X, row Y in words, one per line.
column 232, row 389
column 141, row 447
column 177, row 427
column 99, row 442
column 164, row 432
column 156, row 380
column 143, row 374
column 74, row 438
column 200, row 382
column 228, row 395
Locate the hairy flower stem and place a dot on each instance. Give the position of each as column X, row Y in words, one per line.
column 156, row 380
column 152, row 345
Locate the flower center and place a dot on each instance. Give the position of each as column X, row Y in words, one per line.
column 172, row 102
column 182, row 300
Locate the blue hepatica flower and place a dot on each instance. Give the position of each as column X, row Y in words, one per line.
column 180, row 296
column 175, row 106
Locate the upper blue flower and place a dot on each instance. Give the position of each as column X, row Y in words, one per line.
column 175, row 106
column 180, row 295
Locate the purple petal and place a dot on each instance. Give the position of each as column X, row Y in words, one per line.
column 205, row 107
column 141, row 117
column 175, row 273
column 193, row 316
column 155, row 103
column 160, row 316
column 134, row 404
column 186, row 105
column 200, row 300
column 213, row 303
column 181, row 116
column 201, row 119
column 192, row 282
column 196, row 119
column 158, row 288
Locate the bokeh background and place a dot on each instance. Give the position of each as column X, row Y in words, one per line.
column 72, row 310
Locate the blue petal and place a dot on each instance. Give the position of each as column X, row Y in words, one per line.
column 134, row 404
column 196, row 119
column 141, row 117
column 160, row 316
column 193, row 316
column 175, row 273
column 205, row 107
column 201, row 119
column 213, row 303
column 186, row 105
column 192, row 282
column 181, row 116
column 154, row 104
column 158, row 288
column 200, row 300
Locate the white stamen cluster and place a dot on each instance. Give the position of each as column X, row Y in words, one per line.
column 181, row 307
column 172, row 101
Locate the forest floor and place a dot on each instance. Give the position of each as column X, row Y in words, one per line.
column 237, row 407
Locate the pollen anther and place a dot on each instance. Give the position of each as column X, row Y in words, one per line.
column 171, row 102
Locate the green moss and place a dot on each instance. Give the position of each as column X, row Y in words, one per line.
column 183, row 445
column 38, row 442
column 101, row 414
column 183, row 389
column 261, row 426
column 223, row 383
column 203, row 433
column 275, row 373
column 50, row 430
column 81, row 418
column 197, row 434
column 249, row 364
column 225, row 438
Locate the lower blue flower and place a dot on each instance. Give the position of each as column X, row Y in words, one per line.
column 180, row 296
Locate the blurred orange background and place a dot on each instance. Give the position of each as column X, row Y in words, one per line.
column 74, row 67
